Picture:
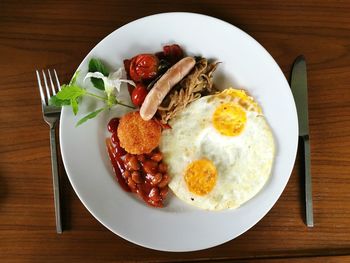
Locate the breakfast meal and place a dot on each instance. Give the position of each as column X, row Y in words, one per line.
column 213, row 148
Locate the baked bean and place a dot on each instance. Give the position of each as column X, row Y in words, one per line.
column 165, row 181
column 163, row 168
column 133, row 164
column 164, row 192
column 149, row 177
column 154, row 194
column 127, row 157
column 157, row 157
column 150, row 167
column 131, row 184
column 126, row 174
column 136, row 177
column 140, row 194
column 141, row 157
column 156, row 179
column 156, row 203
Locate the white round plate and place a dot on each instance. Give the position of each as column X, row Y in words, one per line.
column 178, row 226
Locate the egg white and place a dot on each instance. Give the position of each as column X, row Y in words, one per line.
column 243, row 162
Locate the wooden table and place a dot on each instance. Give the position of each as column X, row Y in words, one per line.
column 58, row 34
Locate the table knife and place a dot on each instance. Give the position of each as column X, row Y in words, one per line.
column 299, row 90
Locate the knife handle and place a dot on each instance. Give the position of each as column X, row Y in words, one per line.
column 308, row 184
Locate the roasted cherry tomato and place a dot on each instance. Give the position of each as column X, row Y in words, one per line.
column 127, row 63
column 113, row 125
column 143, row 67
column 173, row 53
column 139, row 94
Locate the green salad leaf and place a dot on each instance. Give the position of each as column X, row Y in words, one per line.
column 71, row 94
column 75, row 106
column 91, row 115
column 95, row 65
column 54, row 101
column 74, row 78
column 68, row 95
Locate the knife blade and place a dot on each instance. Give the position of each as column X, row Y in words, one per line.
column 299, row 90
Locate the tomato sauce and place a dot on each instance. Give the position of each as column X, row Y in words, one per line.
column 145, row 174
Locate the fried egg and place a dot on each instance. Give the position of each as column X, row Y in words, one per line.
column 219, row 150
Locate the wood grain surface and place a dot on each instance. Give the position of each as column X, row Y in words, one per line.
column 58, row 34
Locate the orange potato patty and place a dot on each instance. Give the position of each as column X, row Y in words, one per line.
column 136, row 135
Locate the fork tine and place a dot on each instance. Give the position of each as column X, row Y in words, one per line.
column 40, row 88
column 46, row 86
column 58, row 82
column 52, row 86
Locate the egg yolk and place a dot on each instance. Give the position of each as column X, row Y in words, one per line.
column 200, row 176
column 229, row 119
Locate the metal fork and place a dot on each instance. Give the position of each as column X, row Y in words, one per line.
column 51, row 115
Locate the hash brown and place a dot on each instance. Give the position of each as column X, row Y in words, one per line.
column 136, row 135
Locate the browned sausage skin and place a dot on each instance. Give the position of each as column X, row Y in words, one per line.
column 162, row 87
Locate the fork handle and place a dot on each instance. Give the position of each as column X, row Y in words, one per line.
column 55, row 177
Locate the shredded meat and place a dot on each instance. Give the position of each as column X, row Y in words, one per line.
column 199, row 82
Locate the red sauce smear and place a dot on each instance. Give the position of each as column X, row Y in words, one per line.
column 118, row 165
